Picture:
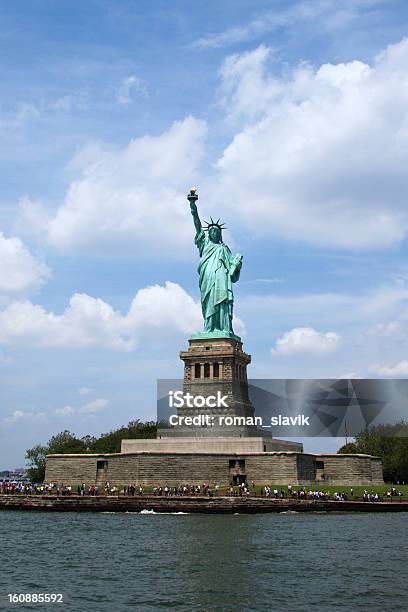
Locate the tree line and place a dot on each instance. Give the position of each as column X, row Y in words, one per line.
column 390, row 443
column 67, row 442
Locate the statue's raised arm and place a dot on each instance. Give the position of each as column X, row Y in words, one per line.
column 192, row 198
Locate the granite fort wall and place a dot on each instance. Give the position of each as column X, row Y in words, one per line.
column 71, row 469
column 351, row 469
column 377, row 470
column 217, row 468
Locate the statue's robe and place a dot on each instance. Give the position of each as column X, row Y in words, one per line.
column 218, row 270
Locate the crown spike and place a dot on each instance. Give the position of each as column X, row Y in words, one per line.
column 213, row 223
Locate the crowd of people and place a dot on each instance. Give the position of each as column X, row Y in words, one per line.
column 238, row 490
column 394, row 493
column 267, row 491
column 371, row 497
column 16, row 488
column 165, row 490
column 185, row 489
column 302, row 493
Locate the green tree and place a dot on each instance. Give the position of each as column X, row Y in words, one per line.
column 36, row 462
column 67, row 442
column 390, row 443
column 111, row 442
column 350, row 448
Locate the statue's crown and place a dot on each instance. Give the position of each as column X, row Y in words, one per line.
column 213, row 223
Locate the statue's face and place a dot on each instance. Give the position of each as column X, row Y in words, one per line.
column 214, row 234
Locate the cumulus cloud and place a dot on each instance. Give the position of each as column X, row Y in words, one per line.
column 32, row 218
column 123, row 198
column 20, row 271
column 22, row 416
column 399, row 370
column 65, row 411
column 86, row 321
column 89, row 321
column 321, row 153
column 93, row 406
column 89, row 408
column 306, row 340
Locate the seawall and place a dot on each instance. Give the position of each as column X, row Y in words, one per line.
column 196, row 504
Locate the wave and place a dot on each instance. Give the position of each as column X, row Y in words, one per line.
column 145, row 511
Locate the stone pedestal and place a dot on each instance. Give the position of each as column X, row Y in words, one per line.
column 216, row 366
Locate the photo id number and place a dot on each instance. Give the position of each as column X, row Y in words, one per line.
column 35, row 598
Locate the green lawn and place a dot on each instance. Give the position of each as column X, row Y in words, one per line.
column 358, row 491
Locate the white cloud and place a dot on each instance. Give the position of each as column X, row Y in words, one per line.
column 21, row 416
column 238, row 326
column 323, row 14
column 93, row 406
column 306, row 340
column 321, row 154
column 133, row 198
column 87, row 321
column 128, row 88
column 345, row 309
column 385, row 330
column 350, row 315
column 89, row 408
column 32, row 218
column 17, row 118
column 65, row 411
column 168, row 307
column 84, row 391
column 400, row 370
column 245, row 79
column 68, row 103
column 19, row 270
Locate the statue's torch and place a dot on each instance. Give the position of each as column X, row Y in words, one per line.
column 192, row 197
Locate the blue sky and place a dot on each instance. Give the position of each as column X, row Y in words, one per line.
column 292, row 119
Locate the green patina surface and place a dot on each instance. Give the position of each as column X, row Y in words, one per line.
column 218, row 270
column 214, row 334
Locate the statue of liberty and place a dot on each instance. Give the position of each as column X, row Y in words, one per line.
column 217, row 270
